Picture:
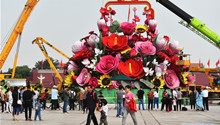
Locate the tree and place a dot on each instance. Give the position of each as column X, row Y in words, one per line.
column 21, row 71
column 46, row 64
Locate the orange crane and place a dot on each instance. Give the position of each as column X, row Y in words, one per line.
column 43, row 49
column 29, row 6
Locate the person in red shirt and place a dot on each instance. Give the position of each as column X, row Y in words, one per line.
column 150, row 99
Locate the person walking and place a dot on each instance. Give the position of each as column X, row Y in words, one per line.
column 43, row 99
column 164, row 100
column 92, row 104
column 54, row 98
column 21, row 93
column 66, row 95
column 169, row 98
column 27, row 98
column 120, row 93
column 71, row 100
column 130, row 106
column 174, row 97
column 35, row 97
column 199, row 100
column 150, row 95
column 179, row 99
column 37, row 110
column 156, row 98
column 192, row 97
column 84, row 100
column 205, row 99
column 80, row 99
column 104, row 112
column 16, row 106
column 140, row 95
column 2, row 98
column 10, row 100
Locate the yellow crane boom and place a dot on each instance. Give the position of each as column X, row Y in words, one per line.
column 42, row 48
column 29, row 6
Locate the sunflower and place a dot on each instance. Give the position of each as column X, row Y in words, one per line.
column 183, row 78
column 141, row 28
column 68, row 78
column 158, row 82
column 104, row 82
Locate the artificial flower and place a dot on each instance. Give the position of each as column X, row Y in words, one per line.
column 146, row 48
column 107, row 64
column 83, row 77
column 132, row 68
column 133, row 52
column 152, row 25
column 72, row 66
column 105, row 31
column 113, row 12
column 98, row 52
column 163, row 56
column 160, row 43
column 93, row 38
column 128, row 28
column 171, row 79
column 158, row 82
column 86, row 62
column 115, row 43
column 78, row 46
column 134, row 9
column 104, row 82
column 93, row 64
column 68, row 79
column 85, row 53
column 174, row 46
column 101, row 24
column 141, row 28
column 104, row 11
column 93, row 82
column 136, row 19
column 148, row 71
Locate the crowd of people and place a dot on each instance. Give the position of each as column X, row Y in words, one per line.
column 16, row 100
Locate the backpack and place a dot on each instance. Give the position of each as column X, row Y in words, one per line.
column 72, row 96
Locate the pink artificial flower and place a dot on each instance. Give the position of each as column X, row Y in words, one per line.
column 118, row 57
column 78, row 46
column 93, row 82
column 134, row 9
column 83, row 77
column 152, row 25
column 171, row 79
column 128, row 28
column 92, row 39
column 72, row 66
column 101, row 24
column 107, row 64
column 146, row 47
column 160, row 43
column 115, row 85
column 174, row 46
column 133, row 52
column 136, row 19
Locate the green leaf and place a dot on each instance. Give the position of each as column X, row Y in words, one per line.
column 155, row 39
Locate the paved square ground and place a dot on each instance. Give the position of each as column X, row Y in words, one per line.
column 190, row 117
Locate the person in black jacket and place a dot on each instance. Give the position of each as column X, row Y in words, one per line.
column 16, row 107
column 27, row 97
column 92, row 104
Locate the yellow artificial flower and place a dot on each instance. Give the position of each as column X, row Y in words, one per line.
column 141, row 28
column 68, row 78
column 158, row 82
column 183, row 78
column 104, row 82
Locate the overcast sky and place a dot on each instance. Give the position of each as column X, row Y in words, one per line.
column 61, row 22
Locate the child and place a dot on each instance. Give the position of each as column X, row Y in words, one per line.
column 37, row 110
column 104, row 111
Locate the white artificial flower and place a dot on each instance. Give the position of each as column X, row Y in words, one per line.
column 151, row 72
column 155, row 62
column 86, row 62
column 146, row 70
column 147, row 63
column 98, row 52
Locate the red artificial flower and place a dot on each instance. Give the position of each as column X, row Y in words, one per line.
column 166, row 38
column 105, row 31
column 104, row 11
column 128, row 28
column 168, row 51
column 135, row 37
column 132, row 68
column 163, row 56
column 136, row 19
column 82, row 55
column 113, row 12
column 115, row 43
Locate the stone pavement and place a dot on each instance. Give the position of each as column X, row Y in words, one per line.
column 190, row 117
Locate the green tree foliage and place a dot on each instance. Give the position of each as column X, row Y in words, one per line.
column 46, row 65
column 21, row 71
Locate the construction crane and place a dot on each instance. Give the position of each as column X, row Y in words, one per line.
column 29, row 6
column 193, row 24
column 40, row 41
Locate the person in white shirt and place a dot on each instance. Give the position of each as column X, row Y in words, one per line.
column 10, row 100
column 105, row 109
column 156, row 98
column 205, row 99
column 35, row 97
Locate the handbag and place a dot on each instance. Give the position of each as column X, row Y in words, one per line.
column 19, row 101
